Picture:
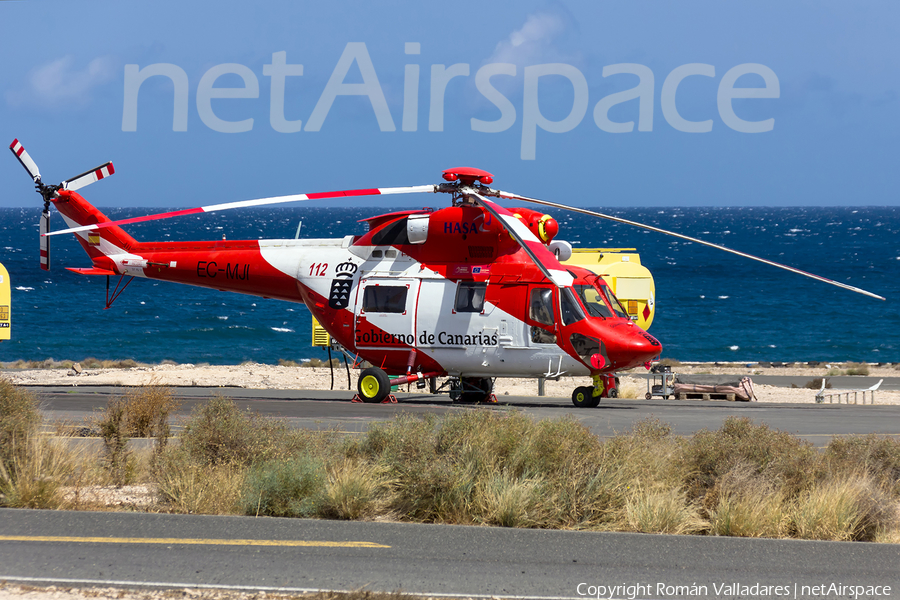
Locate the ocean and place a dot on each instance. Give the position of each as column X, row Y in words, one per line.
column 711, row 305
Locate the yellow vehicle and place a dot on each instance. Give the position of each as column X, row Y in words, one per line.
column 630, row 281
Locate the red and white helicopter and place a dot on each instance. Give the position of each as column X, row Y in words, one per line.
column 472, row 292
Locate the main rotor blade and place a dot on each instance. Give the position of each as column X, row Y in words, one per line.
column 258, row 202
column 592, row 213
column 537, row 251
column 89, row 177
column 25, row 160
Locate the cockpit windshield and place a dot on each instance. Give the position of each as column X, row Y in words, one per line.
column 614, row 302
column 593, row 301
column 600, row 301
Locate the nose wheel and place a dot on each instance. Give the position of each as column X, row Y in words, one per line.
column 588, row 396
column 583, row 397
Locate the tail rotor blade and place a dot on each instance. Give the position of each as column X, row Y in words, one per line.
column 592, row 213
column 44, row 227
column 89, row 177
column 25, row 160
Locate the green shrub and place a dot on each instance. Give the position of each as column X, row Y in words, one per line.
column 857, row 369
column 816, row 384
column 292, row 487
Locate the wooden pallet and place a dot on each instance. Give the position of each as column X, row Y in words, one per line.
column 705, row 396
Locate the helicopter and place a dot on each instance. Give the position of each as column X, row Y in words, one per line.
column 470, row 292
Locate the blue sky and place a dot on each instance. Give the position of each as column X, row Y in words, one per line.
column 825, row 120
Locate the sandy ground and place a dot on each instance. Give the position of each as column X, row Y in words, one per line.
column 259, row 376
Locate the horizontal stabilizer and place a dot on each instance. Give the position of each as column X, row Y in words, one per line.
column 91, row 271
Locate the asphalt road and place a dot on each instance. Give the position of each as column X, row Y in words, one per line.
column 151, row 550
column 817, row 423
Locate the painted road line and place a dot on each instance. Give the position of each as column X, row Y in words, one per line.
column 186, row 541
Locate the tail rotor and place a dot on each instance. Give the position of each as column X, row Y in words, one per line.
column 50, row 192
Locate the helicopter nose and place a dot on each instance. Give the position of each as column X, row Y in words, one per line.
column 636, row 347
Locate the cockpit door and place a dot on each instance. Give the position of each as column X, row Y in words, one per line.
column 541, row 320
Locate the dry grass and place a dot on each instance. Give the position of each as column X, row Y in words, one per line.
column 357, row 490
column 148, row 409
column 188, row 487
column 632, row 390
column 747, row 505
column 662, row 510
column 509, row 501
column 853, row 509
column 488, row 467
column 34, row 477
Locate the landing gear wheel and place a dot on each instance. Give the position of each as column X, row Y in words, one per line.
column 583, row 397
column 475, row 390
column 374, row 385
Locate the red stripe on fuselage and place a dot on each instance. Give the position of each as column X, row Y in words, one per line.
column 234, row 266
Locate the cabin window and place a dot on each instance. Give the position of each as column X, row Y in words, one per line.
column 569, row 307
column 385, row 299
column 470, row 297
column 377, row 253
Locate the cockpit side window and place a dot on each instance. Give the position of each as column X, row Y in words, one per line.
column 569, row 307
